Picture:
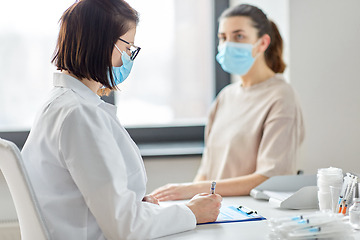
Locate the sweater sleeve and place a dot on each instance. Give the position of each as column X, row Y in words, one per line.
column 283, row 132
column 203, row 169
column 96, row 164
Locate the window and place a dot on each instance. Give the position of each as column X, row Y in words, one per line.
column 28, row 33
column 172, row 81
column 169, row 90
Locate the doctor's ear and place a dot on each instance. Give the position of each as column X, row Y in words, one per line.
column 264, row 43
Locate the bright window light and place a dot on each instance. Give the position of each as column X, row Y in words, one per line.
column 28, row 33
column 172, row 80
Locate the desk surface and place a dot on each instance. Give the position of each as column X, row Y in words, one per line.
column 239, row 230
column 229, row 231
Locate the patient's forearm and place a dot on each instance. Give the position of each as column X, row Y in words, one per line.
column 237, row 186
column 240, row 185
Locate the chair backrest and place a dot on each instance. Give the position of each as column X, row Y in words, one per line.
column 30, row 218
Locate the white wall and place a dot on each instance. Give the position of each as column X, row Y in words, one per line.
column 325, row 69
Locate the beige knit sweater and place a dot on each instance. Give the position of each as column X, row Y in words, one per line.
column 257, row 129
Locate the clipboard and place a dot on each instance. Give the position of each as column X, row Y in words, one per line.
column 230, row 214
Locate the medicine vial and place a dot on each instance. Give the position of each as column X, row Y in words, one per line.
column 354, row 211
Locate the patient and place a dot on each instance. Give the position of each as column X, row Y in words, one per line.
column 255, row 126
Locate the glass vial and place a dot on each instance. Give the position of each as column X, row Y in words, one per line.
column 354, row 211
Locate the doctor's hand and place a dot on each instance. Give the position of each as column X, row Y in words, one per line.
column 180, row 191
column 206, row 207
column 151, row 199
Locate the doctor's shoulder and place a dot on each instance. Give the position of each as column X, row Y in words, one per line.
column 72, row 107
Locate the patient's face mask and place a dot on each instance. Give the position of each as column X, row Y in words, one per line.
column 122, row 72
column 236, row 58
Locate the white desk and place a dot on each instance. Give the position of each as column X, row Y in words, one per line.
column 228, row 231
column 239, row 230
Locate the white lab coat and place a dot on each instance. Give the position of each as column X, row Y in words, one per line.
column 88, row 174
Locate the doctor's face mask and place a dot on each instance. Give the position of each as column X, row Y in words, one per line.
column 122, row 72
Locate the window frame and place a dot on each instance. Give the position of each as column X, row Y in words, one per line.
column 161, row 135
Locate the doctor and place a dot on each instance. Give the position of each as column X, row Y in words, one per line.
column 87, row 173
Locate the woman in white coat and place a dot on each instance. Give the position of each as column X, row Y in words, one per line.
column 86, row 171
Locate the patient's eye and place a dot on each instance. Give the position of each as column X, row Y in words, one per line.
column 222, row 38
column 239, row 37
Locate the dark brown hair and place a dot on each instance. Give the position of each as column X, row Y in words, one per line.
column 273, row 54
column 88, row 31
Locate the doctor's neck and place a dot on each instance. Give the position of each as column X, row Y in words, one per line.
column 258, row 73
column 91, row 84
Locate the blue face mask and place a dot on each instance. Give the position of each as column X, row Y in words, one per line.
column 122, row 72
column 236, row 58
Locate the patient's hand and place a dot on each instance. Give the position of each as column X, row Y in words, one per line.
column 151, row 199
column 180, row 191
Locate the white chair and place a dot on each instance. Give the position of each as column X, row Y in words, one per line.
column 31, row 222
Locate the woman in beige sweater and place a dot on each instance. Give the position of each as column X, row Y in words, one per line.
column 255, row 126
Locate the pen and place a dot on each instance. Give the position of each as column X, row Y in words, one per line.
column 212, row 189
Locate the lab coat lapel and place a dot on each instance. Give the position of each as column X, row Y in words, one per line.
column 66, row 81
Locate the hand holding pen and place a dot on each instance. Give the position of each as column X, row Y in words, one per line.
column 206, row 207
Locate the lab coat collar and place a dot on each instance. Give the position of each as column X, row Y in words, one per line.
column 66, row 81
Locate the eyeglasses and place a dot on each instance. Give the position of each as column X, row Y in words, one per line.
column 134, row 50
